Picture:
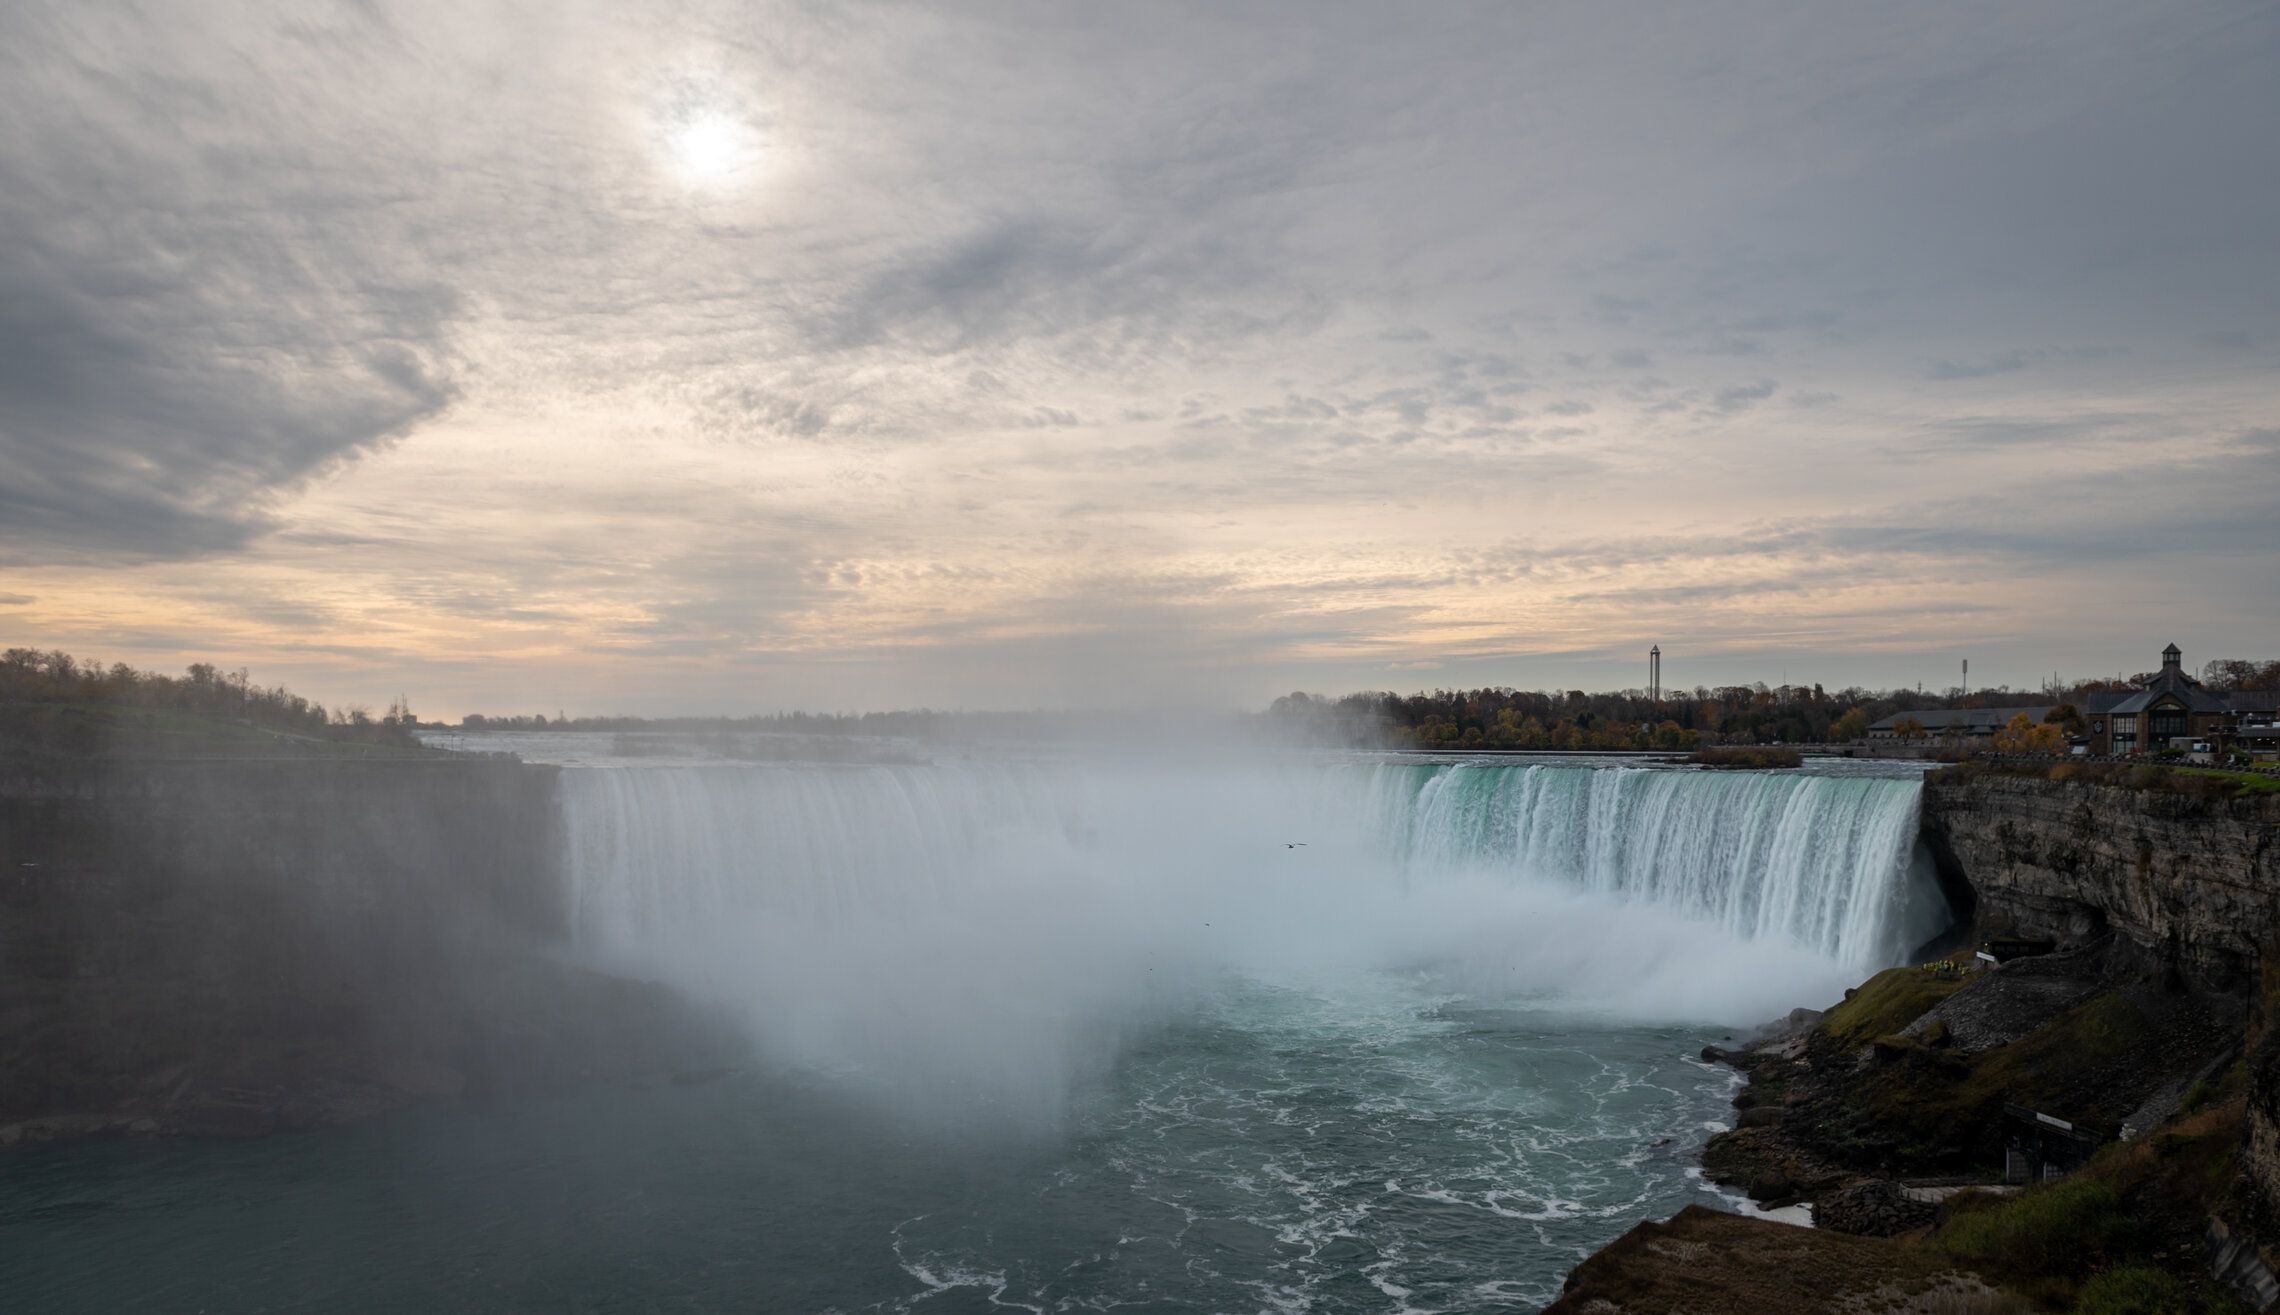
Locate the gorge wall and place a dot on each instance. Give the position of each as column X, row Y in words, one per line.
column 2192, row 877
column 225, row 947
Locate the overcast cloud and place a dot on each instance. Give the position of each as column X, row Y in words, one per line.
column 746, row 356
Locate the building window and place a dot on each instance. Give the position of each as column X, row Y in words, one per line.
column 2168, row 721
column 2126, row 726
column 2098, row 727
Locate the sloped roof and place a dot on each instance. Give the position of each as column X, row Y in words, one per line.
column 2194, row 699
column 2171, row 680
column 1966, row 719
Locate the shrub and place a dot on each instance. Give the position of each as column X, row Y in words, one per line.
column 2054, row 1230
column 2135, row 1290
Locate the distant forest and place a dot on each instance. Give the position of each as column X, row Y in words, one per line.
column 1487, row 718
column 60, row 682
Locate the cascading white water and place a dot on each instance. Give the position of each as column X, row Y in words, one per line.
column 659, row 848
column 957, row 923
column 1824, row 861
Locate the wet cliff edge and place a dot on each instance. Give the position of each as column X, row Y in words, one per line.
column 233, row 946
column 2125, row 1041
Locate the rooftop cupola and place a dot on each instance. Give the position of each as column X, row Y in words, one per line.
column 2171, row 657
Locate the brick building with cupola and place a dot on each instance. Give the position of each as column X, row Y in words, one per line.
column 2169, row 705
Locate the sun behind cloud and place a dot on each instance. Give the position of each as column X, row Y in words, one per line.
column 711, row 148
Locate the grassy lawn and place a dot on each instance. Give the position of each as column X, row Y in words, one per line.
column 2248, row 782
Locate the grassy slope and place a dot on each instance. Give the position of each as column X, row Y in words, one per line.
column 2245, row 782
column 1924, row 1097
column 1707, row 1263
column 2157, row 775
column 1888, row 1002
column 2123, row 1234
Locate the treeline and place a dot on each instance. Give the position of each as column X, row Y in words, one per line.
column 1500, row 718
column 2235, row 673
column 31, row 676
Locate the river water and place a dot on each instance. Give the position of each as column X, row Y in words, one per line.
column 1034, row 1033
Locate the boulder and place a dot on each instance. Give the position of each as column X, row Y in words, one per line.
column 1873, row 1209
column 1772, row 1186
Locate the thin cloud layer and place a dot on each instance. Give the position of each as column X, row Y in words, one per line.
column 839, row 354
column 189, row 322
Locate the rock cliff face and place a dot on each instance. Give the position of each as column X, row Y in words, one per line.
column 2195, row 879
column 233, row 947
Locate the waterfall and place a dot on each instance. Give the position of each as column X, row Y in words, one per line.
column 654, row 847
column 1826, row 861
column 1821, row 861
column 976, row 920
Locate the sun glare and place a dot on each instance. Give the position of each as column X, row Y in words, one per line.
column 710, row 148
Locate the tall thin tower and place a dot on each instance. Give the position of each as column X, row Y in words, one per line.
column 1654, row 674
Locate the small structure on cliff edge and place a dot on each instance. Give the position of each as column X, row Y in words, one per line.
column 2038, row 1146
column 2171, row 705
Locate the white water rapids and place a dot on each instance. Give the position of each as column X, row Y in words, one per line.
column 998, row 927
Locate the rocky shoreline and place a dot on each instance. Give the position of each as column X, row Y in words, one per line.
column 2119, row 1059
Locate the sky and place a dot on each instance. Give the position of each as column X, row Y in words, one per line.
column 740, row 357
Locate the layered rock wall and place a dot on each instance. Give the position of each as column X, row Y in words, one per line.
column 2194, row 878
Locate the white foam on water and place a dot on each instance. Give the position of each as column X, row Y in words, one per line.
column 1433, row 1115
